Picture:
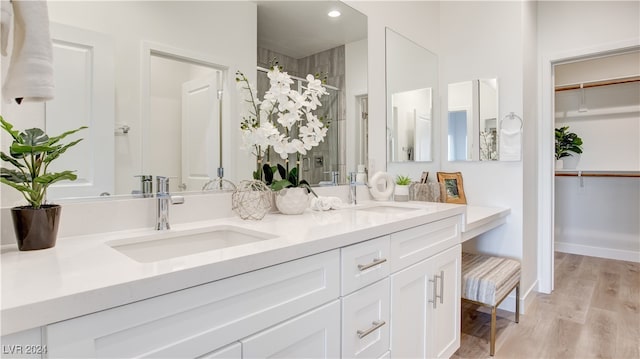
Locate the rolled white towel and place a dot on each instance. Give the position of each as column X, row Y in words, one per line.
column 325, row 203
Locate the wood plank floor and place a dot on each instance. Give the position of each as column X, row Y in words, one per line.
column 594, row 312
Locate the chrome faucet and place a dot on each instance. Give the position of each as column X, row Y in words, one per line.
column 163, row 198
column 353, row 183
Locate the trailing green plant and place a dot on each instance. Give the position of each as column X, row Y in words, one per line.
column 403, row 180
column 31, row 153
column 567, row 143
column 287, row 178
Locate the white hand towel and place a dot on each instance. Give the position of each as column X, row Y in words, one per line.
column 510, row 145
column 325, row 203
column 30, row 73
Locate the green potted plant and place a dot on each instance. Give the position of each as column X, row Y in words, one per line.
column 31, row 153
column 567, row 144
column 401, row 191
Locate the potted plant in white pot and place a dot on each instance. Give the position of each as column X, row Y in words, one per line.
column 401, row 191
column 567, row 144
column 284, row 121
column 31, row 153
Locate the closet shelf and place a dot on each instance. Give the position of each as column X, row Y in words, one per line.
column 576, row 173
column 622, row 80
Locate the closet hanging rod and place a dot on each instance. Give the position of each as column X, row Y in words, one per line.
column 622, row 80
column 629, row 174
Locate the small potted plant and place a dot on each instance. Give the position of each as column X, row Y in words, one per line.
column 31, row 153
column 567, row 144
column 401, row 192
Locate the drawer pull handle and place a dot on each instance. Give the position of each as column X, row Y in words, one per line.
column 375, row 326
column 376, row 261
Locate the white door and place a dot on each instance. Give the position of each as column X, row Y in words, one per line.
column 83, row 63
column 444, row 331
column 423, row 137
column 200, row 131
column 315, row 334
column 410, row 288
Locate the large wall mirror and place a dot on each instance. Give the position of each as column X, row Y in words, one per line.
column 145, row 76
column 472, row 120
column 412, row 84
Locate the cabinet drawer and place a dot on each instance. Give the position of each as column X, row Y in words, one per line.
column 364, row 263
column 315, row 334
column 195, row 321
column 415, row 244
column 366, row 321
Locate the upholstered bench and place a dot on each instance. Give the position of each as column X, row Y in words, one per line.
column 487, row 281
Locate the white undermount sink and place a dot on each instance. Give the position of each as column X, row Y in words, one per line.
column 171, row 244
column 387, row 209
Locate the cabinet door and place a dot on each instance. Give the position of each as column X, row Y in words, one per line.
column 444, row 328
column 315, row 334
column 365, row 322
column 410, row 288
column 425, row 307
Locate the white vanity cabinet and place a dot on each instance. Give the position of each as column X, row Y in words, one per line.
column 425, row 290
column 199, row 320
column 393, row 296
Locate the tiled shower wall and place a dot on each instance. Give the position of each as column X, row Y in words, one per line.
column 329, row 155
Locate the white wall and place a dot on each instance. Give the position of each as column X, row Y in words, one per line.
column 418, row 21
column 567, row 30
column 476, row 45
column 598, row 217
column 610, row 128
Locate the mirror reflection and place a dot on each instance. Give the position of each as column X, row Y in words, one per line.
column 472, row 121
column 412, row 78
column 149, row 92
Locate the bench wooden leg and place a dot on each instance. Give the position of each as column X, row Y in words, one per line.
column 492, row 344
column 518, row 303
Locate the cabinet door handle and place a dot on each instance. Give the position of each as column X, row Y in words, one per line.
column 375, row 326
column 441, row 287
column 376, row 261
column 435, row 290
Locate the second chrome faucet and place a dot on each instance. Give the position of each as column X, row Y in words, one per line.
column 163, row 200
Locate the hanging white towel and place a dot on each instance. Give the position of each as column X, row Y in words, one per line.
column 30, row 73
column 6, row 12
column 510, row 145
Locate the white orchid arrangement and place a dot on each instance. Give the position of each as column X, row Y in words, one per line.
column 284, row 121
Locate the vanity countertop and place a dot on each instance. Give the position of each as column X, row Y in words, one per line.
column 479, row 219
column 83, row 274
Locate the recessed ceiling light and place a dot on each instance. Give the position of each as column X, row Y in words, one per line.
column 334, row 13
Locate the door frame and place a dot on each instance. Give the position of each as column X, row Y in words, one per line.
column 546, row 158
column 147, row 49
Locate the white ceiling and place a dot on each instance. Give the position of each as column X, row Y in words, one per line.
column 302, row 28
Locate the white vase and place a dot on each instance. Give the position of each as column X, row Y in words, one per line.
column 292, row 200
column 401, row 193
column 559, row 164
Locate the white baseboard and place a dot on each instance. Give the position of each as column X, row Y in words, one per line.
column 623, row 255
column 526, row 298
